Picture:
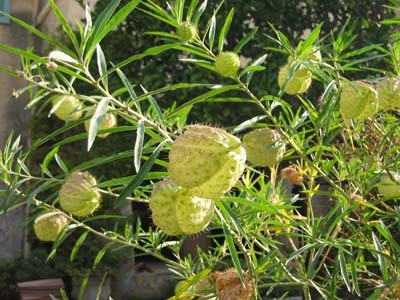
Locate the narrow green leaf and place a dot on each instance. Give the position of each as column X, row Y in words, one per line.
column 153, row 104
column 225, row 29
column 78, row 245
column 201, row 63
column 121, row 15
column 139, row 145
column 101, row 253
column 232, row 217
column 162, row 34
column 305, row 47
column 64, row 295
column 25, row 54
column 8, row 72
column 191, row 281
column 191, row 9
column 96, row 120
column 282, row 39
column 199, row 12
column 104, row 26
column 138, row 179
column 385, row 232
column 211, row 32
column 248, row 123
column 316, row 259
column 102, row 217
column 63, row 57
column 301, row 250
column 166, row 18
column 61, row 163
column 203, row 97
column 40, row 34
column 48, row 158
column 149, row 52
column 355, row 278
column 102, row 65
column 103, row 160
column 173, row 87
column 247, row 38
column 343, row 269
column 179, row 7
column 232, row 250
column 381, row 258
column 251, row 72
column 64, row 23
column 89, row 24
column 193, row 50
column 129, row 88
column 102, row 282
column 84, row 283
column 42, row 187
column 99, row 26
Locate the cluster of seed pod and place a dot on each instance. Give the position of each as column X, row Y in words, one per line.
column 360, row 99
column 78, row 196
column 205, row 163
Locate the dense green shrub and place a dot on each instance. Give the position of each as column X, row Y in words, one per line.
column 334, row 235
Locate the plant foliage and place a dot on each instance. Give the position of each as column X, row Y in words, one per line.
column 316, row 221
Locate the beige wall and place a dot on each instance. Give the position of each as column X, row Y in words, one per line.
column 48, row 22
column 13, row 117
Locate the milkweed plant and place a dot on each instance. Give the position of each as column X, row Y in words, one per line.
column 302, row 195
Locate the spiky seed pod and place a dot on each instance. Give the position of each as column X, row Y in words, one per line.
column 299, row 83
column 68, row 107
column 79, row 195
column 49, row 225
column 193, row 213
column 358, row 100
column 227, row 63
column 163, row 207
column 264, row 147
column 186, row 32
column 175, row 211
column 109, row 121
column 230, row 287
column 388, row 90
column 389, row 188
column 206, row 160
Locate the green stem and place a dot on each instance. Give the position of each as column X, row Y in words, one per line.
column 116, row 239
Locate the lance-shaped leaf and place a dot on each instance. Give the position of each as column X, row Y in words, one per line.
column 139, row 145
column 96, row 120
column 225, row 29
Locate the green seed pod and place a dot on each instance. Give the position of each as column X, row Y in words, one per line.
column 68, row 107
column 78, row 195
column 358, row 100
column 227, row 64
column 389, row 188
column 49, row 225
column 109, row 121
column 299, row 83
column 176, row 211
column 264, row 147
column 193, row 213
column 186, row 32
column 388, row 90
column 206, row 160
